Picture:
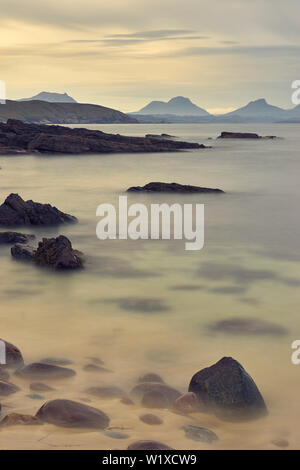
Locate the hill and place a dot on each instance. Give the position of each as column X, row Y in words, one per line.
column 51, row 97
column 179, row 105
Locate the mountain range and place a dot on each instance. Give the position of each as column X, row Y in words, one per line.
column 179, row 105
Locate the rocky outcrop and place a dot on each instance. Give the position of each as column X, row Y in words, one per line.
column 56, row 253
column 15, row 237
column 14, row 357
column 38, row 370
column 16, row 136
column 172, row 188
column 243, row 135
column 227, row 390
column 71, row 414
column 15, row 211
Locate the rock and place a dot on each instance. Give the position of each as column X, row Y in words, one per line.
column 23, row 252
column 151, row 377
column 15, row 211
column 280, row 442
column 172, row 188
column 197, row 433
column 40, row 387
column 116, row 435
column 243, row 135
column 106, row 392
column 126, row 401
column 247, row 326
column 151, row 419
column 159, row 136
column 56, row 361
column 35, row 396
column 14, row 419
column 71, row 414
column 95, row 368
column 227, row 390
column 96, row 360
column 148, row 445
column 18, row 137
column 58, row 254
column 156, row 395
column 7, row 388
column 38, row 370
column 15, row 237
column 14, row 357
column 4, row 375
column 187, row 403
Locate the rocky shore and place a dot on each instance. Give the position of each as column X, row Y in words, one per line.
column 20, row 138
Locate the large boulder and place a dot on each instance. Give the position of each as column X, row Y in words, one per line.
column 158, row 187
column 58, row 254
column 14, row 356
column 71, row 414
column 15, row 211
column 38, row 370
column 227, row 390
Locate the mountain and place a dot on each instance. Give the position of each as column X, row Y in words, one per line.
column 180, row 106
column 44, row 112
column 51, row 97
column 258, row 109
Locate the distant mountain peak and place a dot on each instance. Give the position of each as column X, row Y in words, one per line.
column 51, row 97
column 179, row 105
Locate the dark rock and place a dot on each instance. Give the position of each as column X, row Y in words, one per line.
column 95, row 368
column 148, row 445
column 197, row 433
column 40, row 387
column 151, row 377
column 243, row 135
column 35, row 396
column 58, row 254
column 107, row 392
column 15, row 237
column 7, row 388
column 14, row 357
column 56, row 361
column 151, row 419
column 23, row 252
column 18, row 137
column 116, row 435
column 71, row 414
column 15, row 211
column 38, row 370
column 14, row 419
column 153, row 394
column 172, row 188
column 227, row 390
column 247, row 326
column 187, row 403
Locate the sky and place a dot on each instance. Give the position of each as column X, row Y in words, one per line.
column 124, row 53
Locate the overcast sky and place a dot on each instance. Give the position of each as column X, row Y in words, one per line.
column 125, row 53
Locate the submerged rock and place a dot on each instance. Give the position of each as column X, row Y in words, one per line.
column 14, row 356
column 14, row 419
column 40, row 387
column 172, row 188
column 71, row 414
column 197, row 433
column 148, row 445
column 56, row 361
column 4, row 375
column 15, row 211
column 7, row 388
column 187, row 403
column 106, row 392
column 227, row 390
column 38, row 370
column 155, row 394
column 151, row 419
column 15, row 237
column 243, row 135
column 57, row 253
column 151, row 377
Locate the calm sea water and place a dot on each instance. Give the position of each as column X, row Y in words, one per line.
column 147, row 306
